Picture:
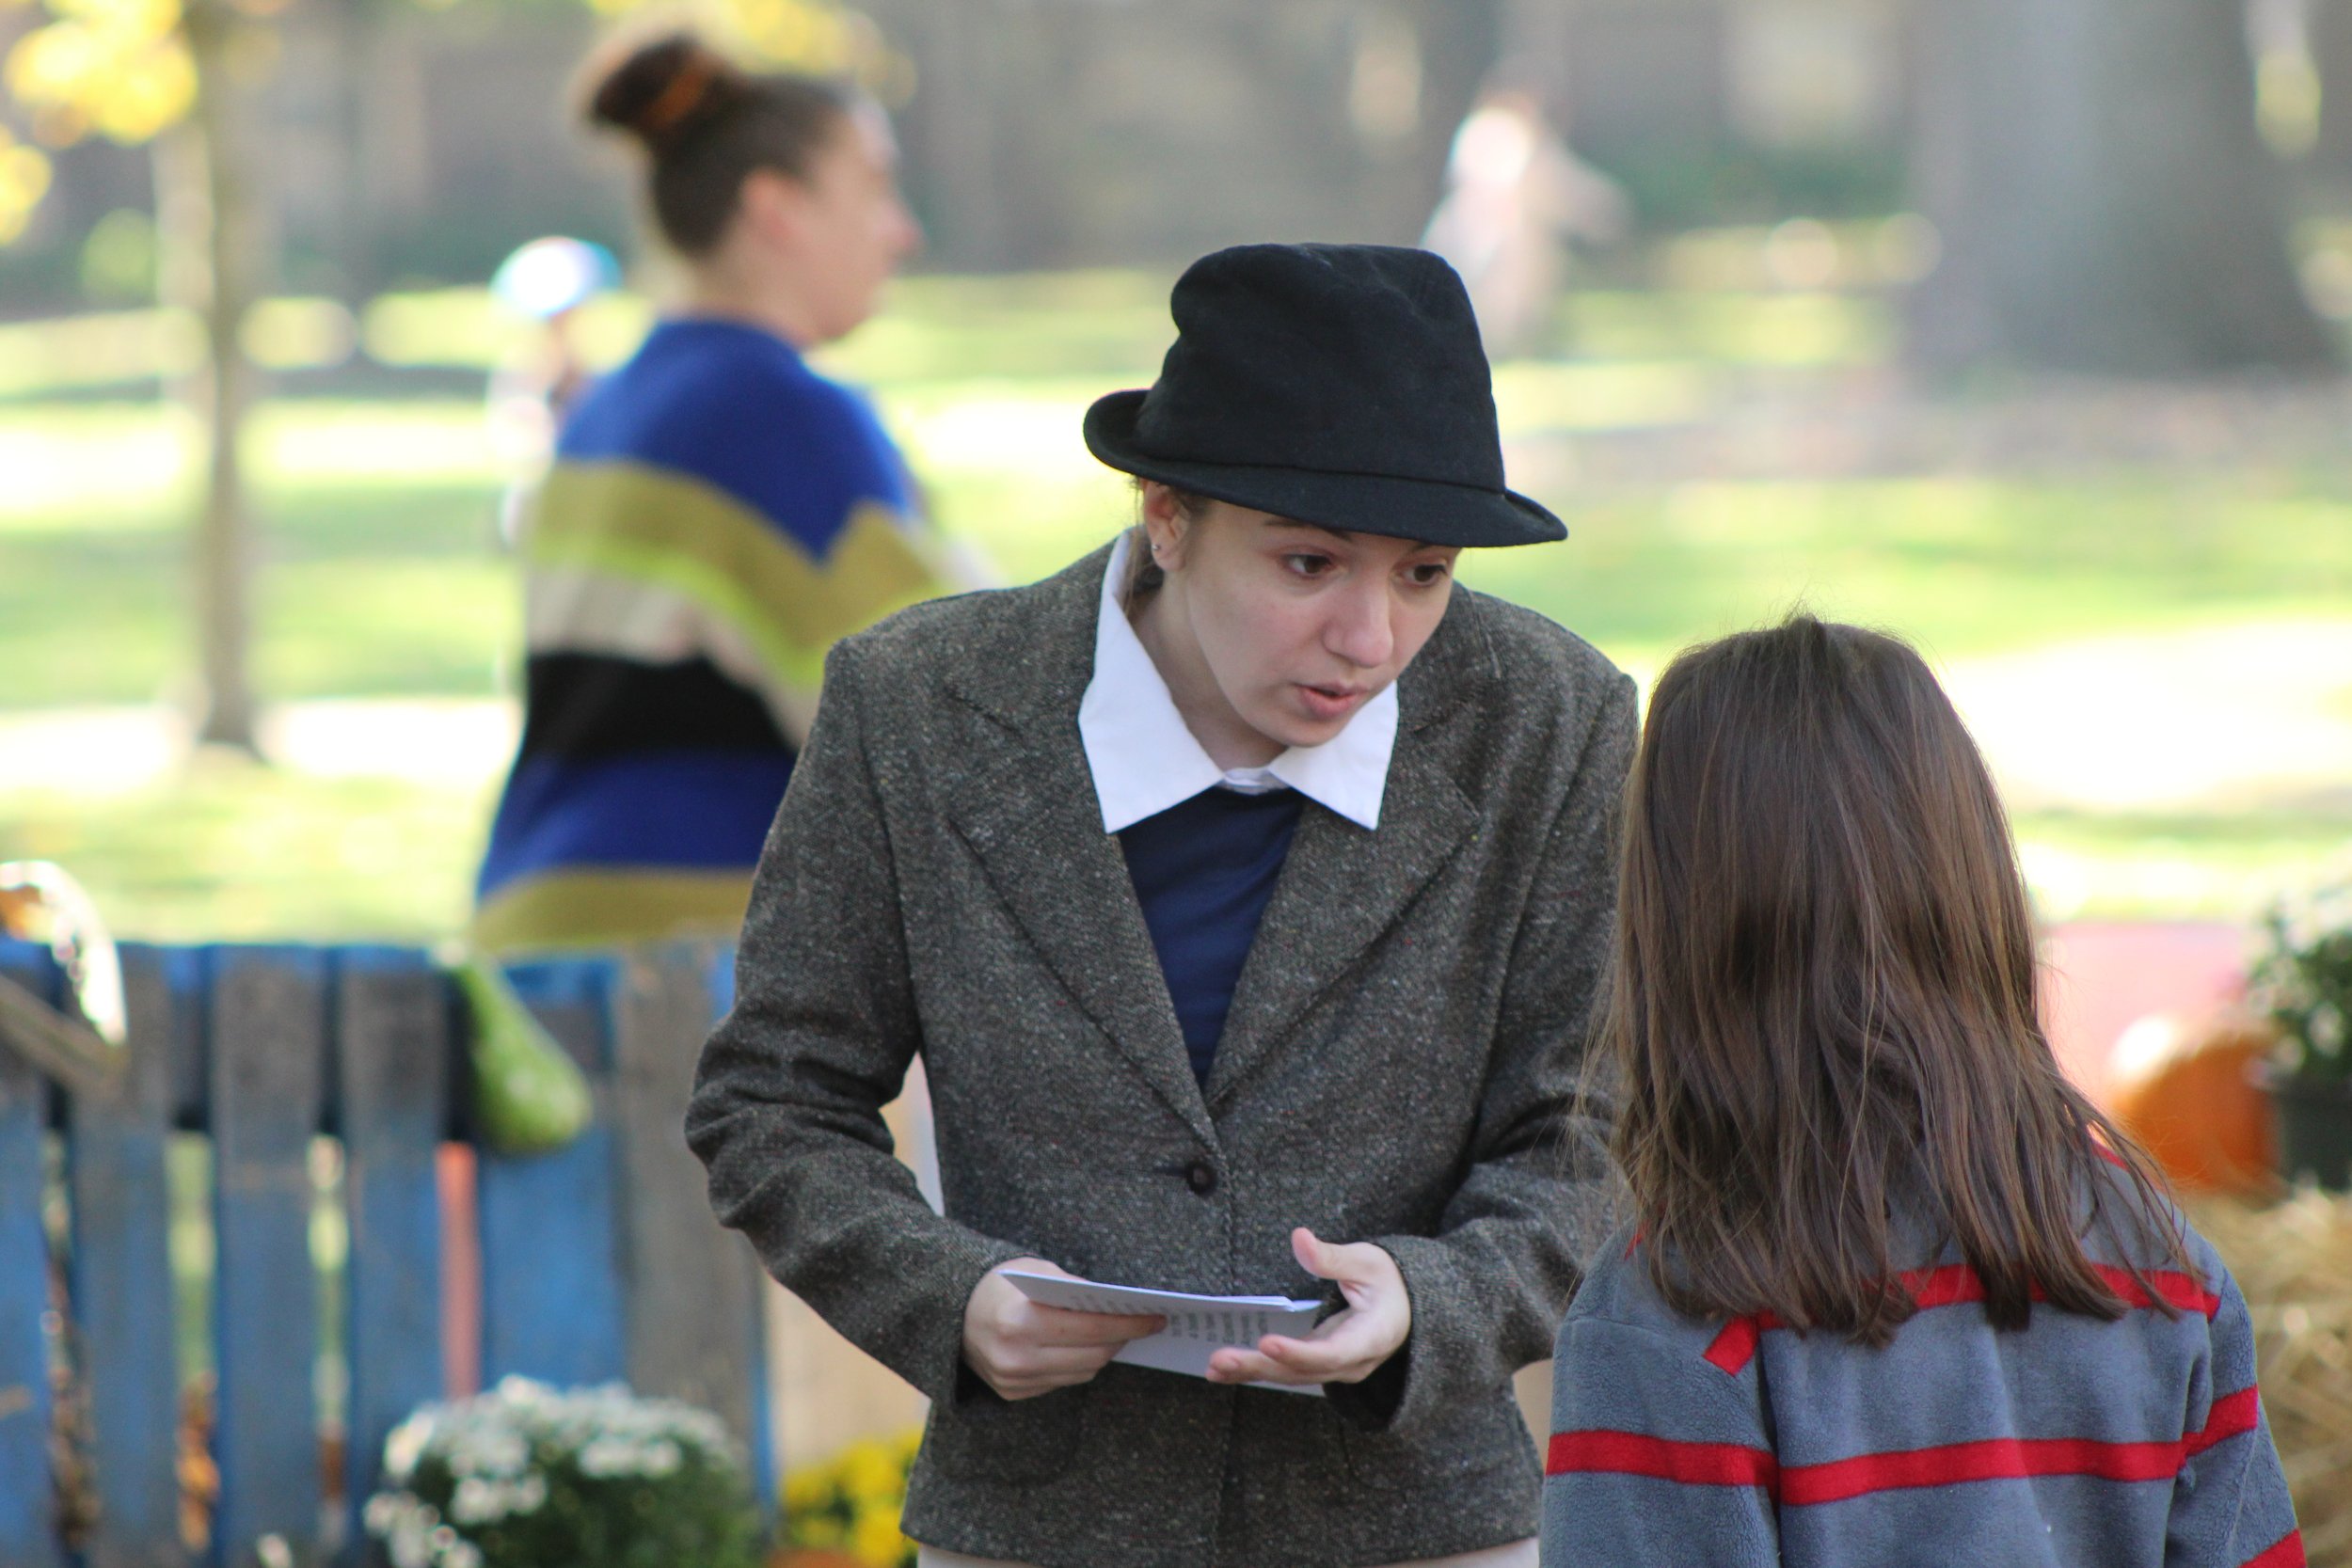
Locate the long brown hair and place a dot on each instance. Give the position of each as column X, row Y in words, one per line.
column 1823, row 1020
column 707, row 125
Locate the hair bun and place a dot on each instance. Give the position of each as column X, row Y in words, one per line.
column 662, row 89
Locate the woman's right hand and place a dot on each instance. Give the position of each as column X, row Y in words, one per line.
column 1021, row 1349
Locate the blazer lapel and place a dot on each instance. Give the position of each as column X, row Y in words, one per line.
column 1023, row 800
column 1342, row 885
column 1340, row 889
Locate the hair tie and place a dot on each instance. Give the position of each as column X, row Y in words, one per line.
column 679, row 99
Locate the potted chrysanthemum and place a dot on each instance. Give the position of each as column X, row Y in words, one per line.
column 2303, row 983
column 527, row 1476
column 843, row 1512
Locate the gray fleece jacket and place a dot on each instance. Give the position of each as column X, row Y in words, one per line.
column 2072, row 1442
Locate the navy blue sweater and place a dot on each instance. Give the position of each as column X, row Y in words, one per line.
column 1204, row 871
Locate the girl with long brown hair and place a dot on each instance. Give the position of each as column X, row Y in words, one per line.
column 1895, row 1292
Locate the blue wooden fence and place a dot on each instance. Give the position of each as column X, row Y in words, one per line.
column 599, row 1261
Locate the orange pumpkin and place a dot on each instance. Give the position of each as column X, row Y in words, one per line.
column 2186, row 1088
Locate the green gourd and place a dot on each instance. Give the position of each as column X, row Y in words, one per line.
column 529, row 1096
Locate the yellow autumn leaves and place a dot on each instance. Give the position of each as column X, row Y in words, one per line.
column 825, row 38
column 115, row 68
column 121, row 69
column 24, row 180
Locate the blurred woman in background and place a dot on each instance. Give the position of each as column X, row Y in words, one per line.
column 717, row 516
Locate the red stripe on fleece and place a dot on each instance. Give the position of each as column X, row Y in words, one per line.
column 1603, row 1451
column 2287, row 1552
column 2231, row 1415
column 1600, row 1452
column 1736, row 1345
column 1993, row 1459
column 1954, row 1284
column 2016, row 1458
column 2183, row 1290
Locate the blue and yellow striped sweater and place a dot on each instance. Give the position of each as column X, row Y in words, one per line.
column 717, row 518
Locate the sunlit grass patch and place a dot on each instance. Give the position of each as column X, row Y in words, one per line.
column 2129, row 865
column 391, row 627
column 1962, row 565
column 1729, row 329
column 383, row 588
column 234, row 851
column 1539, row 396
column 135, row 466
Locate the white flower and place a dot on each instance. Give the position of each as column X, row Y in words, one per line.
column 477, row 1502
column 406, row 1525
column 495, row 1445
column 609, row 1456
column 407, row 1445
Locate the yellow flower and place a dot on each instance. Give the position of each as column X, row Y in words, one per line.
column 869, row 1471
column 876, row 1537
column 806, row 1489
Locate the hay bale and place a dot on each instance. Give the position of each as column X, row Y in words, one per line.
column 2294, row 1262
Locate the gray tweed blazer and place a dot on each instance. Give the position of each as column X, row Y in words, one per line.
column 1397, row 1067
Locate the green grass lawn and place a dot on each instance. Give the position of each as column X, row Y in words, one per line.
column 387, row 586
column 382, row 573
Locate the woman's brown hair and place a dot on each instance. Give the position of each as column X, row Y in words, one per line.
column 1823, row 1021
column 707, row 125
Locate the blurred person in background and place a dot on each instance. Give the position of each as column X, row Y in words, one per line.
column 545, row 282
column 1515, row 197
column 717, row 515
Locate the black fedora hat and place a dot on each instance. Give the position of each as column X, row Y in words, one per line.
column 1343, row 384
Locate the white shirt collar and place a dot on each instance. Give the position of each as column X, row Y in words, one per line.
column 1145, row 760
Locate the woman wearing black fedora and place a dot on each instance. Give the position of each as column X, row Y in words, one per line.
column 1243, row 888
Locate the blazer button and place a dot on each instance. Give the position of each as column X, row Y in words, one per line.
column 1201, row 1176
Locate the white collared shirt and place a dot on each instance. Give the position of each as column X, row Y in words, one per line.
column 1144, row 758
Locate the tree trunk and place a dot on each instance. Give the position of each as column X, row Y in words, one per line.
column 2106, row 202
column 963, row 129
column 1532, row 53
column 2331, row 51
column 210, row 226
column 1461, row 49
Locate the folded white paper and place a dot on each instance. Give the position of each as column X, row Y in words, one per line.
column 1197, row 1325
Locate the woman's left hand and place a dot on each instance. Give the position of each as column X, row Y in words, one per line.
column 1347, row 1347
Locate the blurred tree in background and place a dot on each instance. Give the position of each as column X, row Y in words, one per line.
column 2106, row 203
column 2103, row 198
column 181, row 76
column 165, row 73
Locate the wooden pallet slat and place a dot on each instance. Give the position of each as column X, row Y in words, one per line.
column 716, row 975
column 391, row 1055
column 600, row 1261
column 550, row 1236
column 27, row 1498
column 267, row 1051
column 121, row 1280
column 692, row 1289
